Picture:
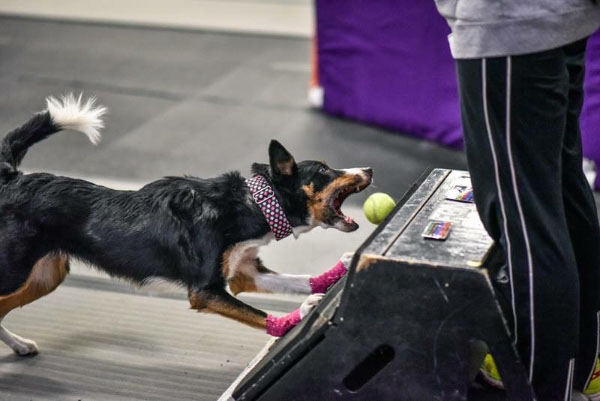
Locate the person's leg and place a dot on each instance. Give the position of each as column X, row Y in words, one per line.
column 582, row 219
column 514, row 116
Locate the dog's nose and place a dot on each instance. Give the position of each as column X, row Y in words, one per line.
column 369, row 171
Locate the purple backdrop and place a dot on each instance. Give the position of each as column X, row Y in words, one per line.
column 590, row 116
column 387, row 62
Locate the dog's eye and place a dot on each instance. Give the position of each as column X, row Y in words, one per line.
column 323, row 169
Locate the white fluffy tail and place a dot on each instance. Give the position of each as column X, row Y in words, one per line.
column 69, row 112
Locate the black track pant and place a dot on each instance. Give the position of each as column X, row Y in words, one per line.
column 521, row 125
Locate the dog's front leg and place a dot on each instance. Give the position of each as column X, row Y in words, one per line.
column 253, row 276
column 324, row 281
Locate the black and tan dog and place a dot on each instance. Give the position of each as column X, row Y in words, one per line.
column 202, row 234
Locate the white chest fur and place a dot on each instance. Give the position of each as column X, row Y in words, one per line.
column 243, row 261
column 243, row 255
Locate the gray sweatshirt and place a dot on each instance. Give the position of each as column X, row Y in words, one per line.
column 488, row 28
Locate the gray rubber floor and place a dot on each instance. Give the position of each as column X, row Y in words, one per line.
column 110, row 345
column 181, row 102
column 188, row 103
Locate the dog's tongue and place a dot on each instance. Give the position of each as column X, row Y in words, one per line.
column 349, row 224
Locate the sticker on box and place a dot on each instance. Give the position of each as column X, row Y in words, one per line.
column 437, row 230
column 460, row 193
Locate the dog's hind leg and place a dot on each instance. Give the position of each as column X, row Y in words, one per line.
column 21, row 346
column 221, row 302
column 46, row 275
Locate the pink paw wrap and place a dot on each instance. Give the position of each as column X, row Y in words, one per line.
column 320, row 284
column 278, row 326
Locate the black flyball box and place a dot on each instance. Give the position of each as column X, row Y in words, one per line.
column 401, row 324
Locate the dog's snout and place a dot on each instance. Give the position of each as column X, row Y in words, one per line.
column 368, row 171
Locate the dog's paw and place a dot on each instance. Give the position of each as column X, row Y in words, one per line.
column 321, row 283
column 346, row 259
column 24, row 347
column 309, row 304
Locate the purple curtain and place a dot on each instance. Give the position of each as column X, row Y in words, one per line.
column 388, row 63
column 590, row 115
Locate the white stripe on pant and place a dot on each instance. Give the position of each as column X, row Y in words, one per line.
column 518, row 202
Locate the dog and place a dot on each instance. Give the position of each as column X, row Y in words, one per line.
column 202, row 234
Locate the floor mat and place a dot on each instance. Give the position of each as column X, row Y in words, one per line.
column 106, row 345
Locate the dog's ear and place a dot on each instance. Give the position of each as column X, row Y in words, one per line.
column 282, row 162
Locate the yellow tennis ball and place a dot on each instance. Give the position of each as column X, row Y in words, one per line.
column 378, row 206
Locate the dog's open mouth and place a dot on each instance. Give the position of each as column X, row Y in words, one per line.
column 345, row 223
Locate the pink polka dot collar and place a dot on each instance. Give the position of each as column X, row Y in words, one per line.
column 265, row 198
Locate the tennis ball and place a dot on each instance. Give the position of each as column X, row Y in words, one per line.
column 378, row 206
